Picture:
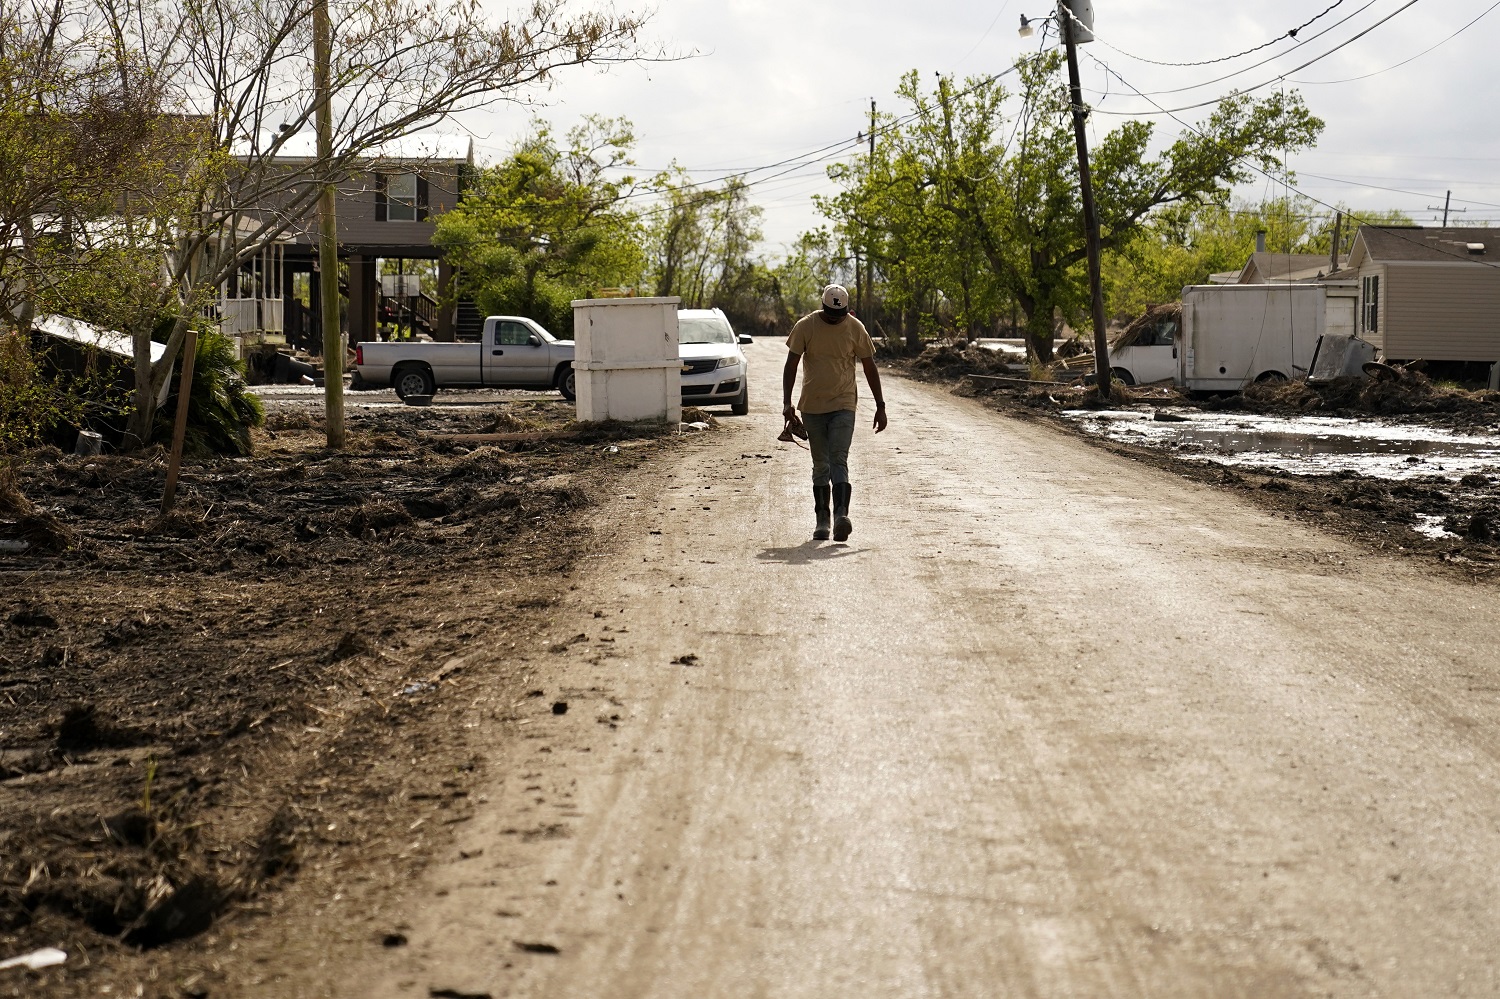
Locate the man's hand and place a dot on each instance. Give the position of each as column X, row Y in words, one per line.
column 872, row 375
column 788, row 411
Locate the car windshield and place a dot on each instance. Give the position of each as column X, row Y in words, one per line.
column 705, row 330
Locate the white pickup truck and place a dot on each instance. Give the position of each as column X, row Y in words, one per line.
column 515, row 352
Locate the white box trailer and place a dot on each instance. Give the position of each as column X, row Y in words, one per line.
column 1234, row 335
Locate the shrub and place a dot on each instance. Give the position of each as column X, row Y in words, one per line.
column 34, row 405
column 221, row 409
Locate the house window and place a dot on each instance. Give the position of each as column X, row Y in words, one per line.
column 400, row 197
column 1370, row 296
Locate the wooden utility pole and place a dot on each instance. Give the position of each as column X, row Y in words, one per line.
column 179, row 426
column 869, row 306
column 328, row 239
column 1338, row 238
column 1447, row 207
column 1090, row 214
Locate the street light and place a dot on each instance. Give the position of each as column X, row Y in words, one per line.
column 1079, row 12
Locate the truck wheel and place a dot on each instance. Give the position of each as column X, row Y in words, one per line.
column 413, row 379
column 1274, row 377
column 741, row 406
column 1122, row 376
column 565, row 383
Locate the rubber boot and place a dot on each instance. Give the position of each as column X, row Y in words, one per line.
column 842, row 525
column 822, row 498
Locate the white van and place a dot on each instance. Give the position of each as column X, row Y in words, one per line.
column 1146, row 351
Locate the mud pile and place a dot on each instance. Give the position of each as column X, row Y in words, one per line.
column 955, row 360
column 1395, row 391
column 192, row 706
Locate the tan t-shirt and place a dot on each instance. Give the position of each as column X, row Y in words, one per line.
column 828, row 353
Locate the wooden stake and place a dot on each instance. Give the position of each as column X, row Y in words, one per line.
column 179, row 429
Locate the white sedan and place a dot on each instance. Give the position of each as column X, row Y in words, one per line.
column 715, row 371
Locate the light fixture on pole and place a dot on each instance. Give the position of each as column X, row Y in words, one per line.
column 1026, row 29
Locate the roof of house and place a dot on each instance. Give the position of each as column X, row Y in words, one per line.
column 1264, row 267
column 1418, row 243
column 89, row 335
column 416, row 148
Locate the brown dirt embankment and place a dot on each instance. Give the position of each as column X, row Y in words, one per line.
column 203, row 713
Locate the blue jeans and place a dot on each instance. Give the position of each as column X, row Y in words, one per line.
column 828, row 437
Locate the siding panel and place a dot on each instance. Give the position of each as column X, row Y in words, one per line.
column 358, row 225
column 1441, row 312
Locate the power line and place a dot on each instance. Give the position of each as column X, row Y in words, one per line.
column 985, row 35
column 1403, row 62
column 1256, row 65
column 1393, row 190
column 1286, row 176
column 840, row 146
column 1411, row 178
column 1291, row 33
column 1258, row 86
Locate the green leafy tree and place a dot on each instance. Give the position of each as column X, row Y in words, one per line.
column 701, row 241
column 1012, row 194
column 896, row 208
column 548, row 225
column 815, row 261
column 1184, row 244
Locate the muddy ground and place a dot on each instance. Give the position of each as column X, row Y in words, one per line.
column 259, row 695
column 1377, row 511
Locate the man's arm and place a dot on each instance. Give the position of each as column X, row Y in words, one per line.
column 872, row 375
column 788, row 382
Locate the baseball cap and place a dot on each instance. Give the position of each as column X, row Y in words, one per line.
column 835, row 296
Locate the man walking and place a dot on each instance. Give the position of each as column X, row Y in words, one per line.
column 830, row 340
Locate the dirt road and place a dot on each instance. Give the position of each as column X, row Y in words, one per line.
column 1053, row 723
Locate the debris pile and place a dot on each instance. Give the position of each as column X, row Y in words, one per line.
column 25, row 525
column 955, row 360
column 1390, row 390
column 195, row 705
column 1147, row 321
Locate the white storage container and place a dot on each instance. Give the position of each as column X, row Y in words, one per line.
column 625, row 359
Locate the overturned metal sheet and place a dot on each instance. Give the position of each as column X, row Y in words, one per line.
column 1339, row 356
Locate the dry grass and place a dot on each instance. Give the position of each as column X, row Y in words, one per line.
column 36, row 526
column 13, row 502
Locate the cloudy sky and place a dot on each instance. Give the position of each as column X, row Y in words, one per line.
column 774, row 80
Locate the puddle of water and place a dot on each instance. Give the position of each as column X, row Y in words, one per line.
column 1310, row 445
column 1430, row 525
